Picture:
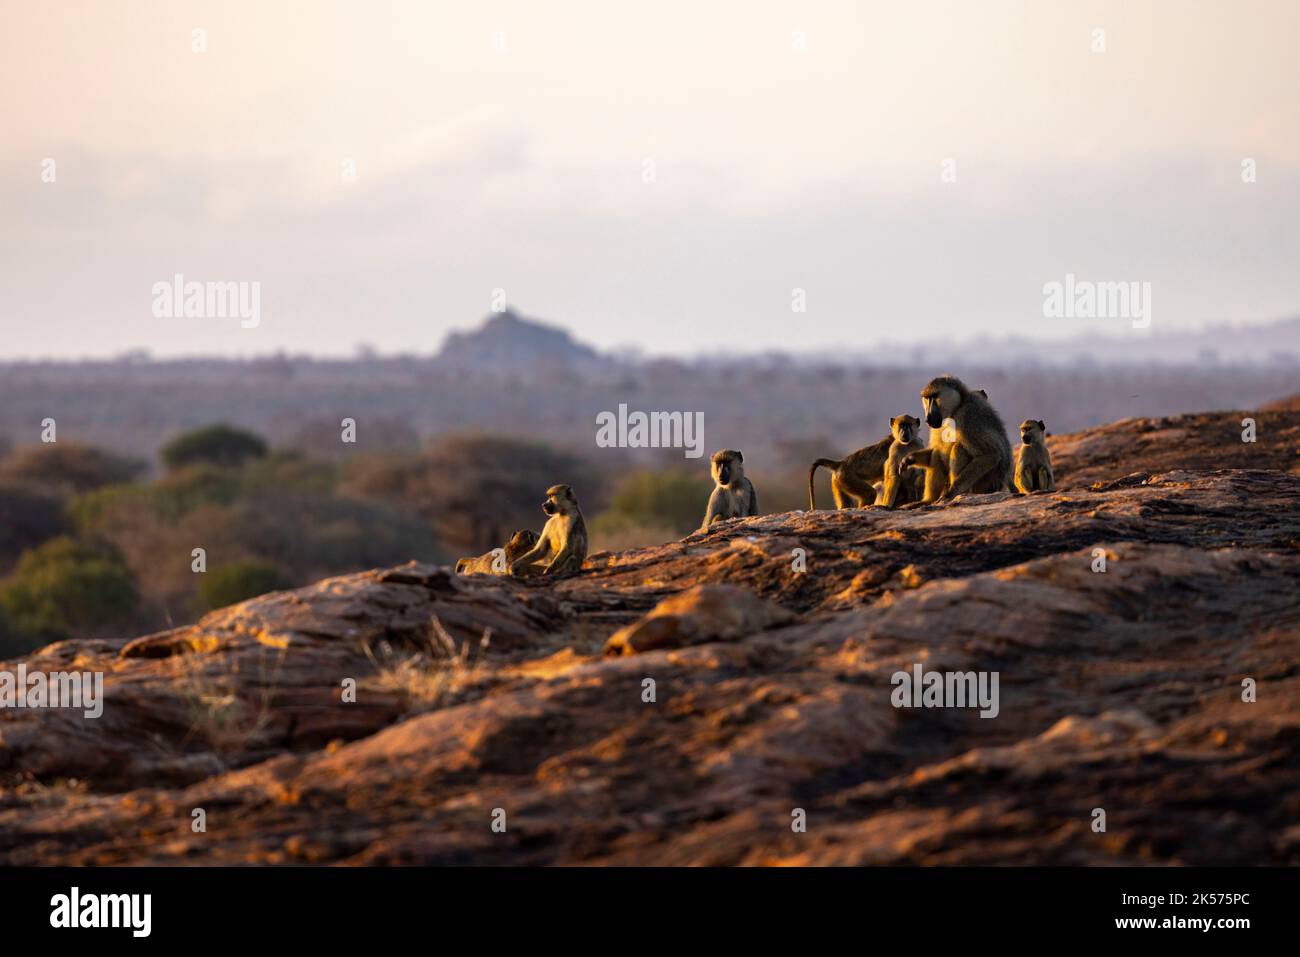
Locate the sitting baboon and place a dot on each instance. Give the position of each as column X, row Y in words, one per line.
column 934, row 460
column 733, row 494
column 563, row 542
column 979, row 455
column 1033, row 461
column 898, row 485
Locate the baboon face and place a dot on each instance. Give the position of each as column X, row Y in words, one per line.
column 521, row 542
column 1031, row 431
column 560, row 500
column 904, row 427
column 727, row 466
column 940, row 399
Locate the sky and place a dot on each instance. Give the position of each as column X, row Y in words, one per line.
column 676, row 177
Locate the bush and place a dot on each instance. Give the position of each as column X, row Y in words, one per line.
column 671, row 499
column 65, row 588
column 213, row 445
column 68, row 468
column 313, row 536
column 234, row 582
column 610, row 532
column 268, row 510
column 169, row 499
column 14, row 643
column 499, row 484
column 28, row 516
column 284, row 472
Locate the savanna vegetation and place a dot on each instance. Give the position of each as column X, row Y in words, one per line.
column 95, row 545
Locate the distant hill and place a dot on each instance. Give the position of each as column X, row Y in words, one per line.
column 509, row 341
column 513, row 375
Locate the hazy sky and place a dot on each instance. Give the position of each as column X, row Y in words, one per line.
column 660, row 174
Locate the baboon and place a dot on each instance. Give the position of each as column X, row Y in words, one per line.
column 1033, row 461
column 899, row 488
column 854, row 477
column 563, row 543
column 980, row 456
column 487, row 564
column 935, row 460
column 733, row 494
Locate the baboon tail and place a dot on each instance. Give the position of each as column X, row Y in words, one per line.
column 812, row 470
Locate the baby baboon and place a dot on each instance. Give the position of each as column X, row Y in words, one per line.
column 733, row 494
column 563, row 543
column 1033, row 461
column 980, row 457
column 498, row 561
column 899, row 487
column 853, row 478
column 934, row 460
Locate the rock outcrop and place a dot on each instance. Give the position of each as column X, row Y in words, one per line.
column 688, row 703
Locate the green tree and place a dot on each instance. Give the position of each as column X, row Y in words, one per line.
column 214, row 445
column 65, row 588
column 239, row 581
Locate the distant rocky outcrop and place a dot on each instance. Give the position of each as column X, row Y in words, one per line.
column 508, row 341
column 749, row 679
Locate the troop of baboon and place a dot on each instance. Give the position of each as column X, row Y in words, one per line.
column 968, row 453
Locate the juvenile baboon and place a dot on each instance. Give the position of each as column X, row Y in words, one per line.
column 980, row 456
column 934, row 461
column 487, row 564
column 563, row 543
column 899, row 488
column 733, row 494
column 1033, row 461
column 854, row 477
